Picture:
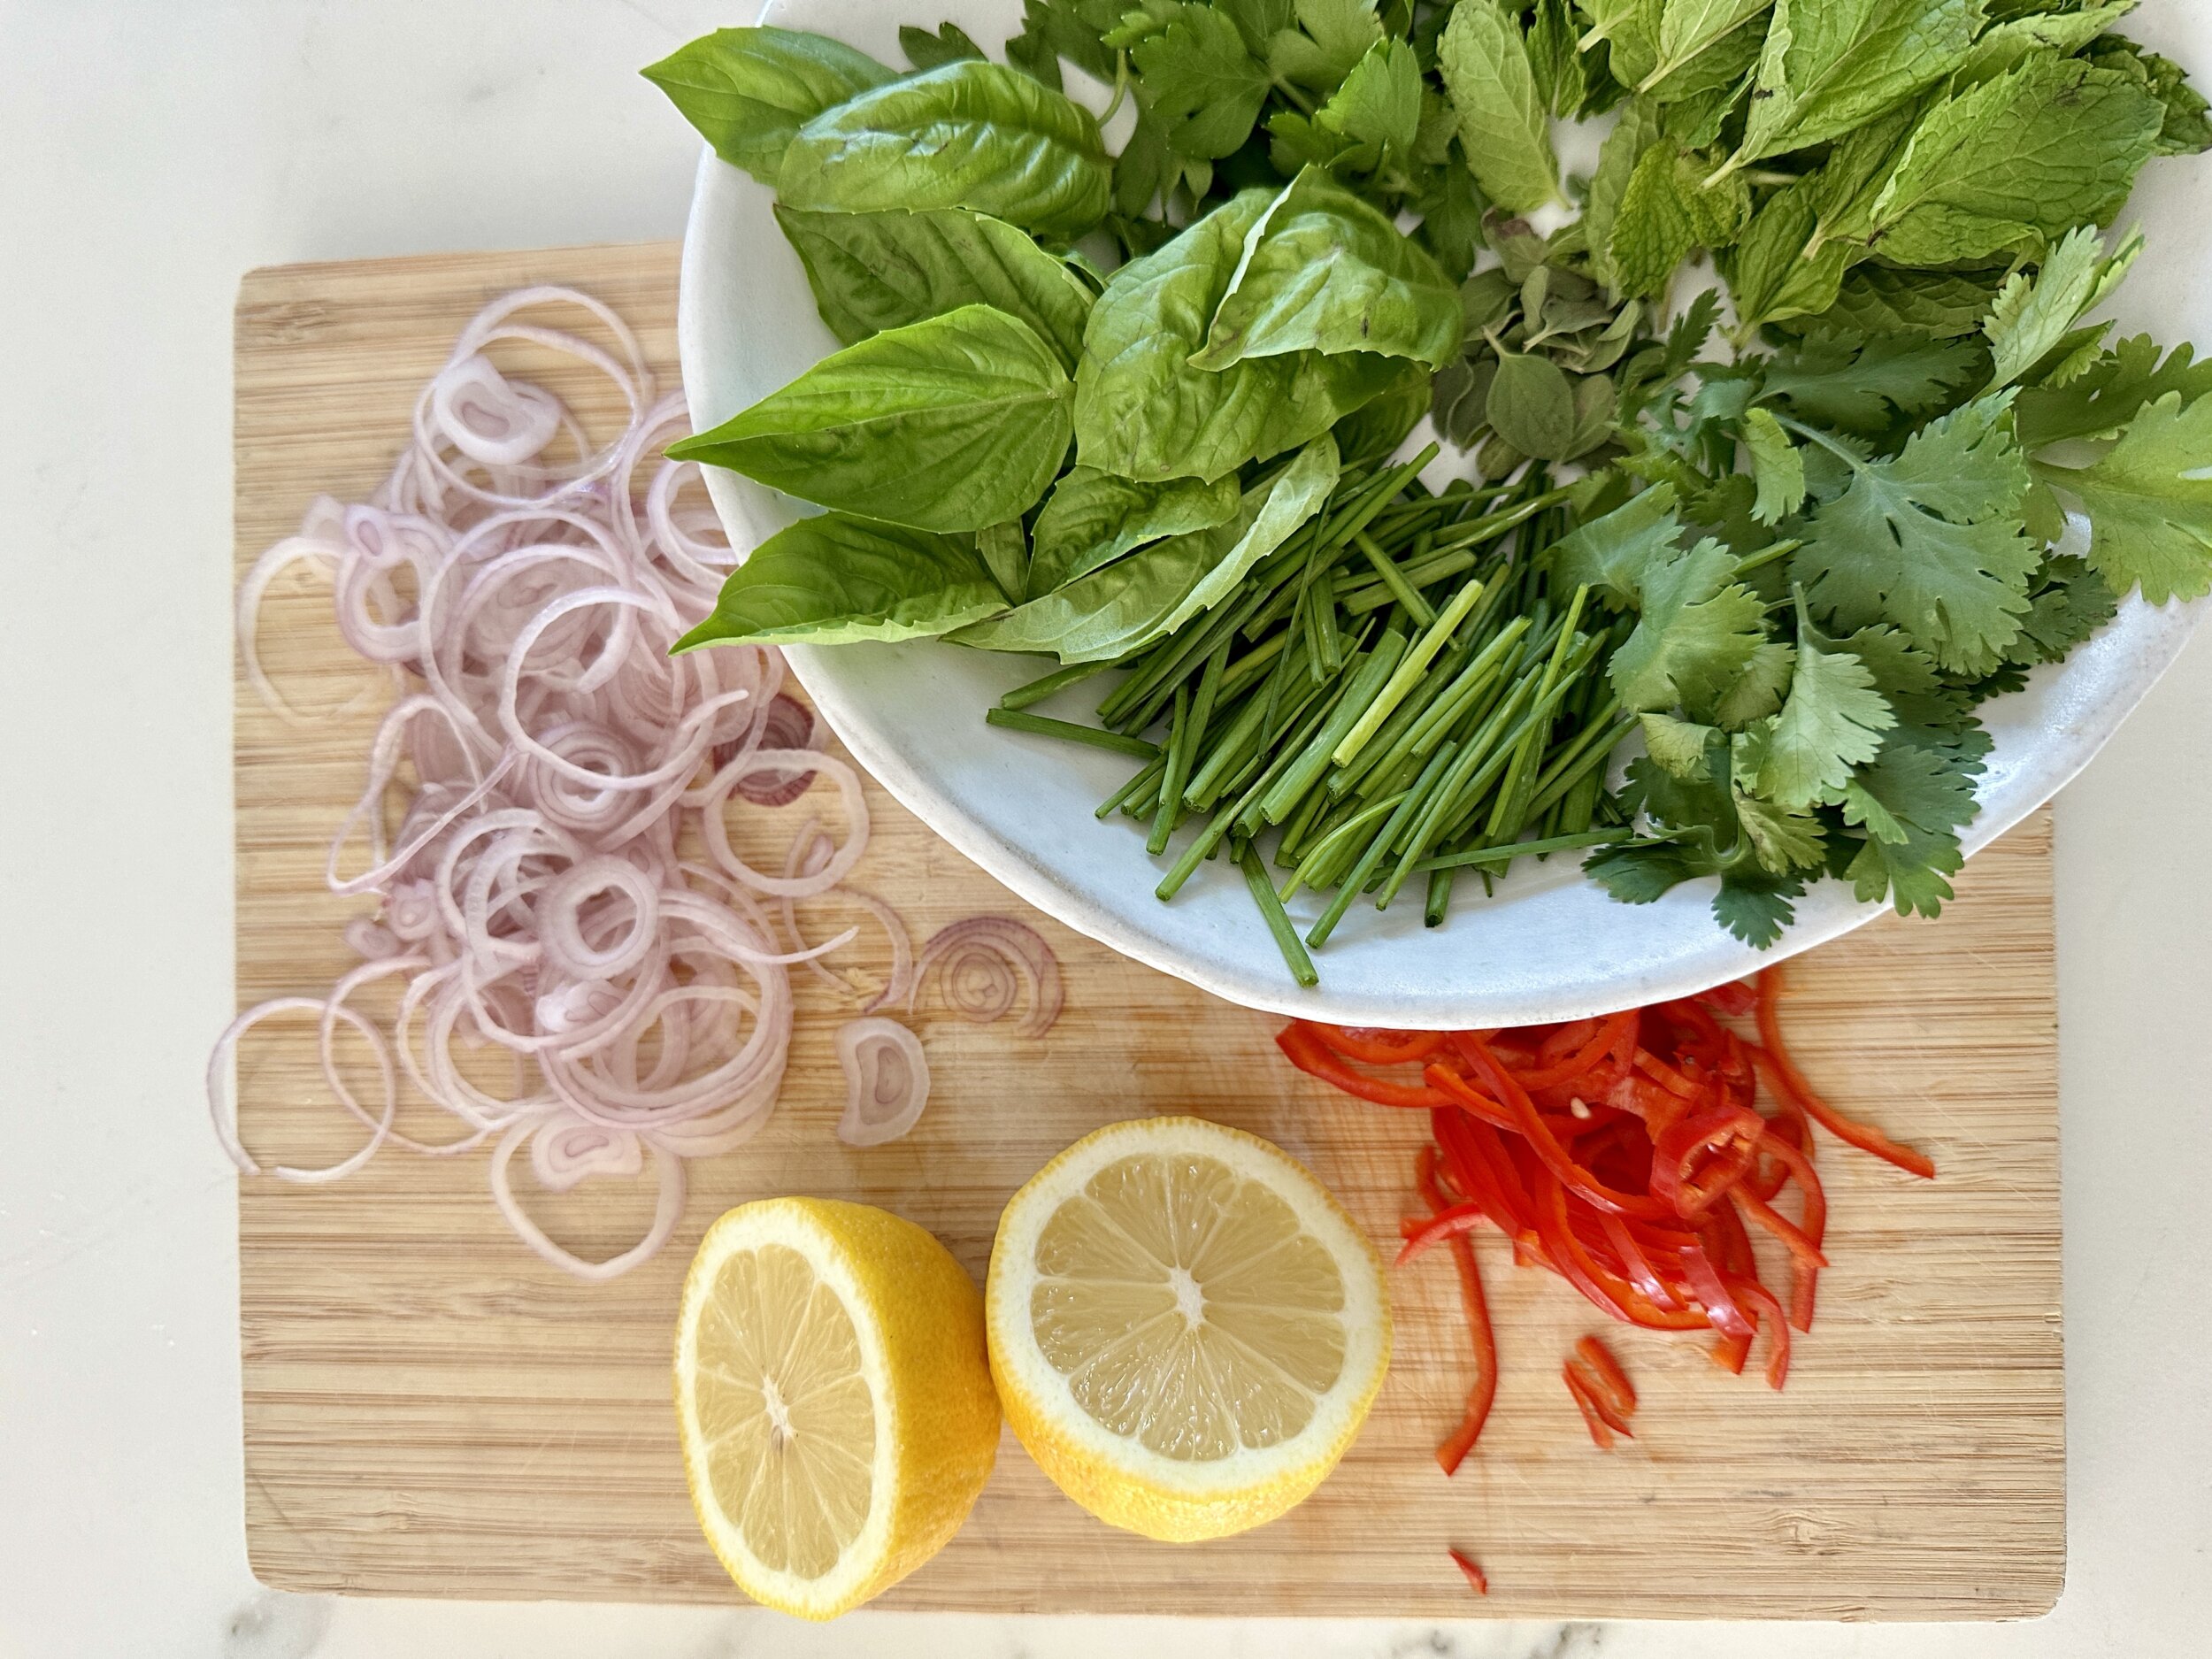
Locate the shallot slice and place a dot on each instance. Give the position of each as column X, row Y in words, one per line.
column 886, row 1081
column 979, row 958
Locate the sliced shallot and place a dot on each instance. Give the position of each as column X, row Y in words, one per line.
column 886, row 1081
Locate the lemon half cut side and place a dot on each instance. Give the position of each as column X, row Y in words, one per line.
column 832, row 1397
column 1186, row 1328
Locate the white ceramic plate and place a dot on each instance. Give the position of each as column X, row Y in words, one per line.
column 1549, row 945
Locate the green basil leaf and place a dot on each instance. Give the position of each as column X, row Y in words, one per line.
column 954, row 423
column 870, row 271
column 1830, row 65
column 1093, row 518
column 1004, row 551
column 2020, row 159
column 832, row 580
column 750, row 91
column 1502, row 123
column 968, row 134
column 1141, row 411
column 1326, row 272
column 1125, row 606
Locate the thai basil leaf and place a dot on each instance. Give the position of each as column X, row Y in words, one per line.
column 1093, row 518
column 1004, row 551
column 870, row 271
column 1124, row 606
column 1326, row 272
column 750, row 91
column 832, row 580
column 968, row 134
column 954, row 423
column 1141, row 411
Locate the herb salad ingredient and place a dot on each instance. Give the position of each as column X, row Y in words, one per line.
column 1788, row 534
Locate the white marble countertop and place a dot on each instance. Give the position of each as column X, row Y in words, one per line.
column 153, row 153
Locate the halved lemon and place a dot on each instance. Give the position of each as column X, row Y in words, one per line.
column 833, row 1399
column 1187, row 1330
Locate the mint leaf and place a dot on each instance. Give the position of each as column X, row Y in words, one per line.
column 1666, row 212
column 1771, row 274
column 2032, row 316
column 1931, row 541
column 2185, row 129
column 1201, row 83
column 1503, row 124
column 2150, row 521
column 1883, row 299
column 750, row 91
column 1689, row 28
column 1830, row 65
column 1639, row 127
column 2065, row 32
column 1776, row 466
column 1563, row 80
column 2013, row 162
column 1631, row 31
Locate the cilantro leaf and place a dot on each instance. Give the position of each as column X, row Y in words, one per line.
column 1912, row 799
column 1201, row 83
column 2015, row 161
column 2068, row 603
column 925, row 50
column 2032, row 317
column 1755, row 907
column 2099, row 402
column 1378, row 108
column 1072, row 29
column 1503, row 124
column 1757, row 691
column 1698, row 632
column 1782, row 839
column 1333, row 35
column 1611, row 554
column 1931, row 541
column 1776, row 464
column 1833, row 721
column 1854, row 385
column 2150, row 521
column 1830, row 65
column 1678, row 745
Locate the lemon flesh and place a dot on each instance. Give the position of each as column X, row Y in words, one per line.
column 832, row 1397
column 1186, row 1329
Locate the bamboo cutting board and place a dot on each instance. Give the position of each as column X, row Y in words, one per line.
column 429, row 1411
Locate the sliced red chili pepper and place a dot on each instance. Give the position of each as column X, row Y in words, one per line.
column 1738, row 997
column 1546, row 1146
column 1777, row 1328
column 1606, row 1040
column 1721, row 1311
column 1791, row 1081
column 1485, row 1390
column 1606, row 1290
column 1473, row 1573
column 1310, row 1055
column 1455, row 1088
column 1601, row 1431
column 1804, row 1280
column 1802, row 1250
column 1377, row 1047
column 1609, row 1382
column 1697, row 1159
column 1448, row 1223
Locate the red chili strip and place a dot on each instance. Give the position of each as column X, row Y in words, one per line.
column 1600, row 1431
column 1607, row 1380
column 1474, row 1573
column 1462, row 1440
column 1377, row 1047
column 1790, row 1081
column 1313, row 1056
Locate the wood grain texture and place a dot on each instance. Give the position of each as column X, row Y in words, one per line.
column 429, row 1411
